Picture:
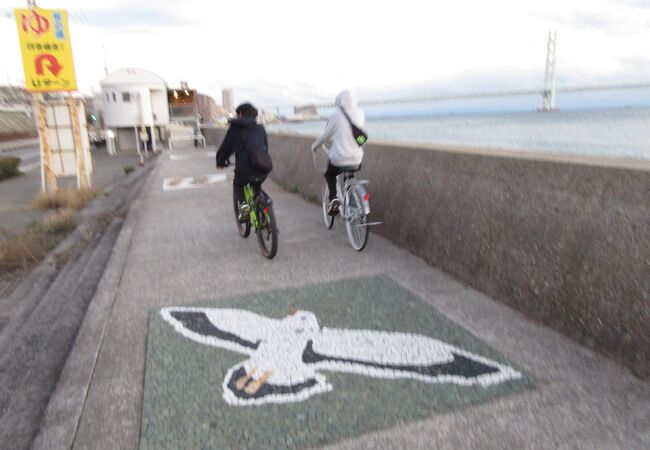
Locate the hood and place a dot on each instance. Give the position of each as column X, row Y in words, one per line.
column 346, row 99
column 243, row 123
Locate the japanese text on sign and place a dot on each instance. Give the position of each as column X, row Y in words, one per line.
column 47, row 53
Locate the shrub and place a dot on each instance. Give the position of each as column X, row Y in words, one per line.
column 61, row 221
column 65, row 198
column 9, row 167
column 18, row 251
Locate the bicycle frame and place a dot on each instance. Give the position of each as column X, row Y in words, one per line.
column 249, row 195
column 344, row 184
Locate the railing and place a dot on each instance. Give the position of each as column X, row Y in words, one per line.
column 187, row 137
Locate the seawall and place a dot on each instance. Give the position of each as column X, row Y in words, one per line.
column 564, row 240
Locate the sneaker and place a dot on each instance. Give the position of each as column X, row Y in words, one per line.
column 244, row 211
column 334, row 207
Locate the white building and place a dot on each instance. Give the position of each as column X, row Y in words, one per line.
column 135, row 107
column 228, row 102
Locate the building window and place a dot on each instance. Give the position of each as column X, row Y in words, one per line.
column 114, row 97
column 126, row 96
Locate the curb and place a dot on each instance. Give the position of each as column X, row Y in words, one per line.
column 54, row 298
column 111, row 202
column 62, row 416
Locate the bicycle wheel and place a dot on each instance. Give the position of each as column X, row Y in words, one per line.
column 329, row 220
column 356, row 221
column 244, row 228
column 267, row 235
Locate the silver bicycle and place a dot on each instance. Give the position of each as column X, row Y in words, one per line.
column 355, row 201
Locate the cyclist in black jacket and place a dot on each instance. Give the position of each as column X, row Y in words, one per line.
column 243, row 129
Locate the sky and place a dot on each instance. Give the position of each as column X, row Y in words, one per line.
column 293, row 52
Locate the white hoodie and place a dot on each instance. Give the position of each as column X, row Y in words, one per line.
column 344, row 150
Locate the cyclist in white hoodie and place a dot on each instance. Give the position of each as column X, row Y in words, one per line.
column 344, row 152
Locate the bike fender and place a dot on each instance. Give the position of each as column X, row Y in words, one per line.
column 365, row 199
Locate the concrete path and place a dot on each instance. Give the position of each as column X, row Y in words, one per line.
column 181, row 248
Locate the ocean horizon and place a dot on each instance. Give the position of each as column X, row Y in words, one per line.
column 622, row 132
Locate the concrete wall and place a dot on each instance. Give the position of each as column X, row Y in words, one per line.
column 566, row 241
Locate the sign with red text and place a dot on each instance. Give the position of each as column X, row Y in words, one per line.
column 46, row 49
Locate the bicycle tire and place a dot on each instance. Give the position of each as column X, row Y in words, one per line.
column 267, row 235
column 356, row 223
column 327, row 219
column 244, row 228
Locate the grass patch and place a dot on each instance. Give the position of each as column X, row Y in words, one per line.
column 9, row 167
column 57, row 222
column 24, row 250
column 73, row 199
column 293, row 188
column 311, row 197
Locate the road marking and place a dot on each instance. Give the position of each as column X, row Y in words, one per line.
column 29, row 167
column 288, row 354
column 29, row 155
column 187, row 156
column 14, row 208
column 180, row 183
column 313, row 364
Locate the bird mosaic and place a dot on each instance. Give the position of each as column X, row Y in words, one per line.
column 286, row 357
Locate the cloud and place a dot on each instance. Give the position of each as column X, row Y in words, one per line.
column 133, row 17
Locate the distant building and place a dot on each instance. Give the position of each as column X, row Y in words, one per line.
column 306, row 112
column 228, row 102
column 15, row 97
column 135, row 101
column 183, row 105
column 209, row 110
column 16, row 114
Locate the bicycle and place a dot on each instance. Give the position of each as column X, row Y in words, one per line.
column 355, row 202
column 261, row 218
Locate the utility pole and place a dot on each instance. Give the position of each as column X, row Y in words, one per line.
column 548, row 95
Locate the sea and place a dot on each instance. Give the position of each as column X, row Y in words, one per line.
column 613, row 133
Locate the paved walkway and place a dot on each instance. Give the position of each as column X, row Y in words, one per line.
column 139, row 378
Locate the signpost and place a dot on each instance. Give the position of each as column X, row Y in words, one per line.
column 47, row 52
column 48, row 65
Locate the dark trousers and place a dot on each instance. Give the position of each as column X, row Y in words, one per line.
column 330, row 176
column 238, row 189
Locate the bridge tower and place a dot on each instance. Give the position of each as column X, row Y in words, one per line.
column 548, row 95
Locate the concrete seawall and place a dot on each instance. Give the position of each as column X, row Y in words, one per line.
column 566, row 241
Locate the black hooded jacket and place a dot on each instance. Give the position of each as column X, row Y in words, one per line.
column 254, row 134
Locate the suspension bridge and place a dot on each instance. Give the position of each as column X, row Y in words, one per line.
column 548, row 92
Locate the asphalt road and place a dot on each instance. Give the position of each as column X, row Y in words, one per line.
column 30, row 156
column 181, row 248
column 17, row 194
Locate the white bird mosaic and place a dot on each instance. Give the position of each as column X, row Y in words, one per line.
column 286, row 356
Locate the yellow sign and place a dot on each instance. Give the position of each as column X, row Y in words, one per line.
column 47, row 52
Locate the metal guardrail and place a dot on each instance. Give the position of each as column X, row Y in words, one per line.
column 187, row 137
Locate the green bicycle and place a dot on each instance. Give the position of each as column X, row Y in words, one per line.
column 261, row 218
